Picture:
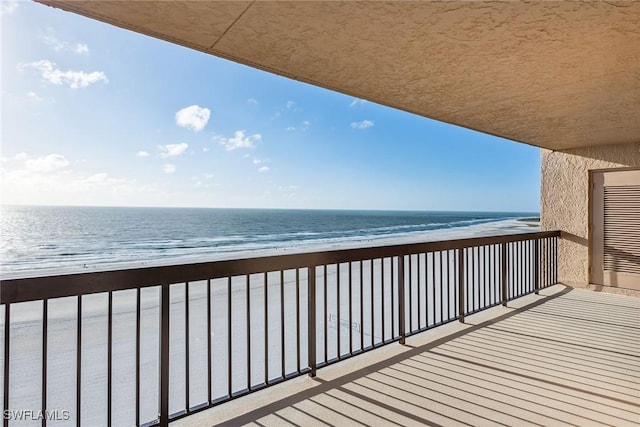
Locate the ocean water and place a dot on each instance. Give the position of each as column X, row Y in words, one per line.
column 37, row 237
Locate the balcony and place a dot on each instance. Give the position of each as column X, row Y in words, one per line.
column 563, row 357
column 182, row 343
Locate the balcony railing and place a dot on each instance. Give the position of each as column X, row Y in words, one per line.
column 203, row 334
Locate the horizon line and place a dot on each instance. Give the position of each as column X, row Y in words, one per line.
column 2, row 205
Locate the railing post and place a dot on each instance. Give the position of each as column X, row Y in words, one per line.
column 461, row 285
column 536, row 263
column 401, row 319
column 503, row 264
column 311, row 317
column 555, row 260
column 164, row 356
column 7, row 354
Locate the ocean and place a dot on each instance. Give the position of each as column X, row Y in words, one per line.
column 46, row 237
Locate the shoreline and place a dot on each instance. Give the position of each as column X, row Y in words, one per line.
column 492, row 228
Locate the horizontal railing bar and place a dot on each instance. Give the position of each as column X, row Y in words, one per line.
column 35, row 288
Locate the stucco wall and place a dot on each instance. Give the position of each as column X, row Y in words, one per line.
column 565, row 200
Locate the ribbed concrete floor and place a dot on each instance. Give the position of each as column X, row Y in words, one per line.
column 566, row 357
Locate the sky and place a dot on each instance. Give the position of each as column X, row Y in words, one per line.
column 92, row 114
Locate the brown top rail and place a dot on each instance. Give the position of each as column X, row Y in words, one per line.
column 64, row 285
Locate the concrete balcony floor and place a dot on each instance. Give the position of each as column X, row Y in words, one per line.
column 564, row 357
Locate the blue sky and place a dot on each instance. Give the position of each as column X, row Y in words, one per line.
column 96, row 115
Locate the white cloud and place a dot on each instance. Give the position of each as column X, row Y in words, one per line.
column 8, row 7
column 66, row 186
column 252, row 101
column 263, row 169
column 169, row 168
column 239, row 140
column 171, row 150
column 142, row 153
column 58, row 45
column 362, row 125
column 97, row 178
column 257, row 161
column 74, row 79
column 193, row 117
column 290, row 129
column 290, row 104
column 47, row 163
column 205, row 149
column 357, row 101
column 21, row 156
column 34, row 96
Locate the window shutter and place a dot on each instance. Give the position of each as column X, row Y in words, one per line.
column 622, row 229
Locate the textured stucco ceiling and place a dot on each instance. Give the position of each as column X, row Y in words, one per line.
column 553, row 74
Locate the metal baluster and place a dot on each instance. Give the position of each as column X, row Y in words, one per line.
column 45, row 321
column 520, row 268
column 433, row 283
column 282, row 333
column 311, row 331
column 78, row 360
column 441, row 288
column 109, row 356
column 456, row 307
column 350, row 310
column 410, row 275
column 448, row 289
column 138, row 319
column 248, row 332
column 326, row 317
column 419, row 293
column 209, row 378
column 382, row 296
column 372, row 323
column 503, row 266
column 298, row 318
column 229, row 365
column 535, row 246
column 492, row 273
column 401, row 302
column 338, row 308
column 164, row 356
column 469, row 280
column 473, row 279
column 186, row 347
column 485, row 270
column 266, row 329
column 461, row 285
column 547, row 264
column 6, row 376
column 361, row 309
column 555, row 280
